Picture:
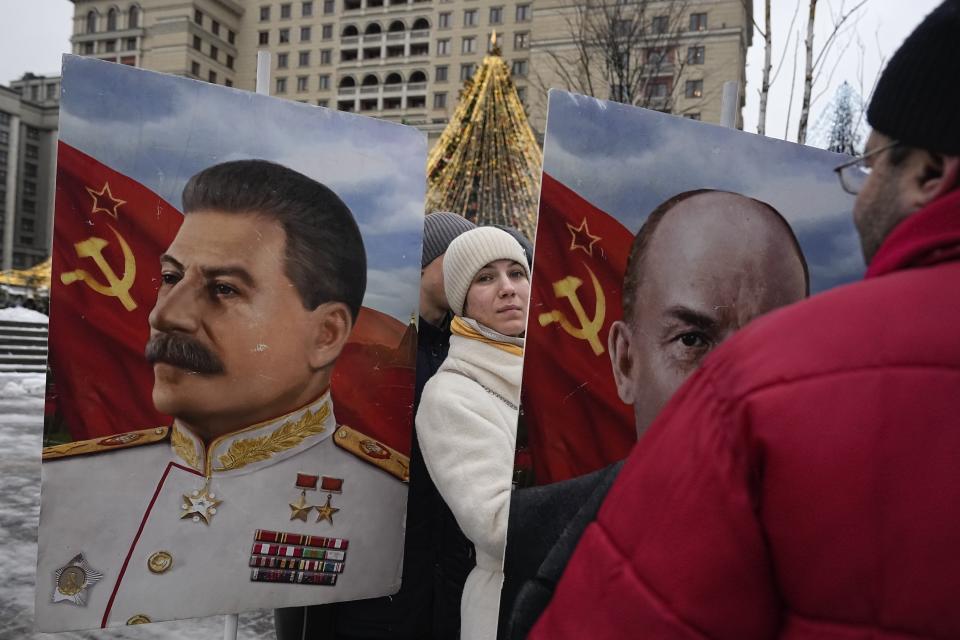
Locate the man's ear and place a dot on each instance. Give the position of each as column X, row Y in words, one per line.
column 621, row 359
column 332, row 323
column 938, row 175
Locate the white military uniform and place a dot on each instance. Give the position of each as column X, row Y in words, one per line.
column 152, row 525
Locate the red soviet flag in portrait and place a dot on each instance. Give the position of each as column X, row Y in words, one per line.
column 575, row 421
column 110, row 232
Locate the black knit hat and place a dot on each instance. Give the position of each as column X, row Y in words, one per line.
column 439, row 230
column 917, row 99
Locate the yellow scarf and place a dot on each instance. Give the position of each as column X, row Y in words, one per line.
column 461, row 328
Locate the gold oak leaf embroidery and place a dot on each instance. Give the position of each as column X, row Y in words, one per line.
column 244, row 452
column 185, row 448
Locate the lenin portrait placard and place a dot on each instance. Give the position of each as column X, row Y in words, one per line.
column 232, row 352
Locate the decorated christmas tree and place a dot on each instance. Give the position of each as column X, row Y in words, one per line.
column 486, row 164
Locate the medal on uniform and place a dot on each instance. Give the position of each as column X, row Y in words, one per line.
column 325, row 511
column 200, row 504
column 331, row 486
column 300, row 509
column 72, row 580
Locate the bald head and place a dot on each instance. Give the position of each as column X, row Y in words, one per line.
column 705, row 264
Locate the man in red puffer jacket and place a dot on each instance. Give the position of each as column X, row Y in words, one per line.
column 805, row 482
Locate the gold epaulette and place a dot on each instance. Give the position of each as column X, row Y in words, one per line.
column 373, row 451
column 109, row 443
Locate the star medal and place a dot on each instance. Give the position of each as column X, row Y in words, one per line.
column 72, row 581
column 325, row 511
column 200, row 505
column 300, row 509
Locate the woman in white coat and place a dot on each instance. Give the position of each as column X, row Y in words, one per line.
column 467, row 419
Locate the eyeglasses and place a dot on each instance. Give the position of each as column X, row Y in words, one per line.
column 854, row 174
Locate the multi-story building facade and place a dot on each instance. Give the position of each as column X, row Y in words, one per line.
column 28, row 150
column 403, row 60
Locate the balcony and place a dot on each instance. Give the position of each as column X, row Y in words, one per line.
column 349, row 40
column 346, row 91
column 416, row 87
column 373, row 38
column 420, row 34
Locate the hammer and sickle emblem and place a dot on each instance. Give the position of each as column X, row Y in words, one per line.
column 589, row 328
column 116, row 287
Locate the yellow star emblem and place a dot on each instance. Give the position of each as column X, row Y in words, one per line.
column 581, row 238
column 325, row 511
column 300, row 509
column 200, row 505
column 104, row 202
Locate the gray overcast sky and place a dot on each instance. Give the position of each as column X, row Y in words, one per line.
column 40, row 32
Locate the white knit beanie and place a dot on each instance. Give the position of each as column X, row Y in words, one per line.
column 471, row 251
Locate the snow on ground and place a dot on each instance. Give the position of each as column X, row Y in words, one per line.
column 21, row 425
column 19, row 314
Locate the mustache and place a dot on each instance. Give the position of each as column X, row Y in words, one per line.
column 184, row 352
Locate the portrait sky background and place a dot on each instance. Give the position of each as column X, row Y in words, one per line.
column 628, row 160
column 160, row 130
column 34, row 33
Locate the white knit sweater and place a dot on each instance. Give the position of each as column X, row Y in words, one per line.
column 467, row 427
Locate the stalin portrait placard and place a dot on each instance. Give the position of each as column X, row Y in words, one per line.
column 232, row 352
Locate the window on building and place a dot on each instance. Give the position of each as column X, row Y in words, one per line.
column 698, row 22
column 305, row 33
column 91, row 22
column 519, row 68
column 696, row 55
column 522, row 93
column 34, row 93
column 229, row 61
column 654, row 90
column 443, row 47
column 440, row 101
column 197, row 43
column 524, row 12
column 416, row 102
column 323, row 103
column 228, row 82
column 468, row 45
column 26, row 225
column 303, row 59
column 521, row 40
column 329, row 6
column 470, row 18
column 51, row 91
column 130, row 44
column 112, row 20
column 26, row 241
column 326, row 55
column 443, row 20
column 348, row 55
column 285, row 11
column 88, row 48
column 264, row 14
column 467, row 70
column 133, row 17
column 264, row 37
column 33, row 133
column 214, row 52
column 195, row 68
column 281, row 85
column 109, row 46
column 283, row 60
column 496, row 15
column 326, row 31
column 284, row 36
column 231, row 36
column 4, row 118
column 660, row 24
column 694, row 89
column 29, row 170
column 29, row 206
column 212, row 77
column 306, row 9
column 198, row 17
column 302, row 83
column 440, row 75
column 215, row 27
column 323, row 82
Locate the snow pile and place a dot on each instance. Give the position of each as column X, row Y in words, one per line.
column 20, row 314
column 24, row 386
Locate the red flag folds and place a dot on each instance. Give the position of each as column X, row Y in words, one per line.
column 576, row 422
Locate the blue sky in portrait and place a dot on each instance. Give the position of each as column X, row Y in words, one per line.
column 627, row 160
column 160, row 130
